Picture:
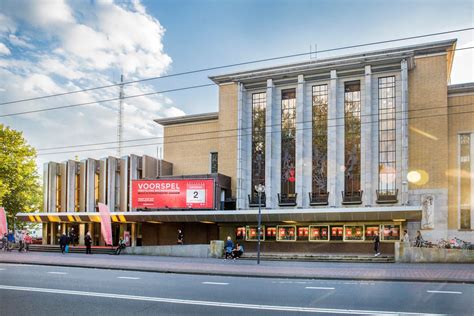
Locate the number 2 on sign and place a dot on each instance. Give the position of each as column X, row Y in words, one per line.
column 195, row 196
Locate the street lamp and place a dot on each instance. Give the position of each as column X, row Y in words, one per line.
column 260, row 189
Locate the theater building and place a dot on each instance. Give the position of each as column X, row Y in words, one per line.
column 345, row 147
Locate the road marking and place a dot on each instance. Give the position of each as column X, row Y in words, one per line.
column 128, row 278
column 54, row 272
column 215, row 283
column 2, row 269
column 319, row 288
column 205, row 303
column 444, row 292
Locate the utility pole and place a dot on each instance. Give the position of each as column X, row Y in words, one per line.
column 120, row 119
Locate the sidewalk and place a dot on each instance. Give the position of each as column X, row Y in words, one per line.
column 455, row 273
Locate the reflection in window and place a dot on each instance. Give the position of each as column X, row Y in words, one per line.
column 387, row 136
column 286, row 233
column 320, row 138
column 240, row 233
column 318, row 233
column 288, row 142
column 371, row 231
column 96, row 188
column 270, row 233
column 214, row 163
column 391, row 232
column 252, row 233
column 354, row 232
column 352, row 137
column 336, row 232
column 465, row 181
column 258, row 138
column 303, row 233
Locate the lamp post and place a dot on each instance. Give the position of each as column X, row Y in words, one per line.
column 260, row 189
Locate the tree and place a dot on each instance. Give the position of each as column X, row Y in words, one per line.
column 20, row 190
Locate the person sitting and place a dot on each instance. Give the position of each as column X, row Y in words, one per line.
column 121, row 245
column 238, row 251
column 229, row 245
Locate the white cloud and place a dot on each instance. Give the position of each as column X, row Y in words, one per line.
column 4, row 49
column 67, row 46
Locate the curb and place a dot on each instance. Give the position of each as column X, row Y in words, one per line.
column 252, row 275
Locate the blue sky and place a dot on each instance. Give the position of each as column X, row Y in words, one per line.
column 57, row 46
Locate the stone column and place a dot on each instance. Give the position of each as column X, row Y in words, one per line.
column 332, row 141
column 366, row 137
column 90, row 184
column 52, row 231
column 63, row 184
column 124, row 165
column 52, row 183
column 71, row 185
column 111, row 167
column 242, row 154
column 133, row 175
column 45, row 233
column 82, row 234
column 404, row 130
column 133, row 234
column 300, row 146
column 83, row 186
column 269, row 180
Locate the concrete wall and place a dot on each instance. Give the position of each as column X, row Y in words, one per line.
column 404, row 253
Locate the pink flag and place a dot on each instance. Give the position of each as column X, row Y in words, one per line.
column 3, row 222
column 105, row 223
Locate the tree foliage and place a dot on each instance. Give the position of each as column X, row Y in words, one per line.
column 20, row 190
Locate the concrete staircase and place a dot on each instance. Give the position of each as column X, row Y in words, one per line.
column 72, row 249
column 324, row 257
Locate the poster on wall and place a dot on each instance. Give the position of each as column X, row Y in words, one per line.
column 173, row 194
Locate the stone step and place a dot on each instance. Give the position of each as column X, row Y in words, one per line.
column 327, row 257
column 72, row 249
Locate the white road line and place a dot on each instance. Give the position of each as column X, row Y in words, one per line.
column 54, row 272
column 444, row 292
column 128, row 278
column 206, row 303
column 319, row 288
column 215, row 283
column 2, row 269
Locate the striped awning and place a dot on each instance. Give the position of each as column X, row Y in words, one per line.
column 385, row 213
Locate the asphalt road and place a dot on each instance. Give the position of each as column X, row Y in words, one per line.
column 46, row 290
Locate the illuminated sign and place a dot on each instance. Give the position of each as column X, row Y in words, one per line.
column 173, row 194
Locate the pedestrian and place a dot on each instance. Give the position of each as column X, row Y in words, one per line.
column 11, row 241
column 418, row 239
column 229, row 246
column 406, row 238
column 28, row 241
column 88, row 242
column 377, row 244
column 63, row 242
column 72, row 237
column 21, row 241
column 180, row 239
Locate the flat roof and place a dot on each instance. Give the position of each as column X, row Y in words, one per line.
column 382, row 56
column 467, row 87
column 193, row 118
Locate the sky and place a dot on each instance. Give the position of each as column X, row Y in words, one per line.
column 49, row 47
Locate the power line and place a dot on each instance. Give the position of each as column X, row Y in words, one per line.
column 240, row 64
column 145, row 94
column 247, row 128
column 248, row 134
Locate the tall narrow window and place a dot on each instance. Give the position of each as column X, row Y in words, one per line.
column 214, row 163
column 259, row 101
column 77, row 191
column 352, row 192
column 320, row 144
column 465, row 181
column 58, row 193
column 387, row 191
column 288, row 145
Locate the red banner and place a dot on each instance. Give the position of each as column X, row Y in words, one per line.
column 3, row 222
column 173, row 194
column 105, row 223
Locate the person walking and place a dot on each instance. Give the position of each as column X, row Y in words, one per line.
column 88, row 242
column 229, row 246
column 418, row 239
column 180, row 239
column 120, row 247
column 377, row 244
column 5, row 242
column 63, row 242
column 28, row 242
